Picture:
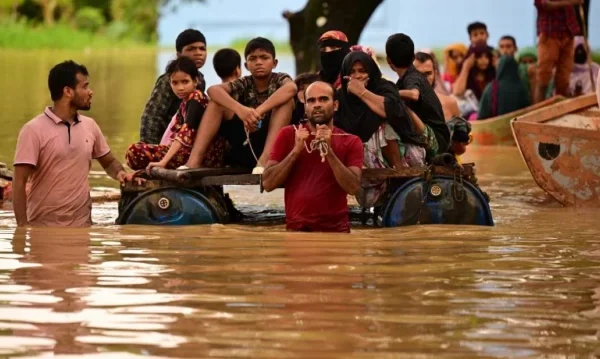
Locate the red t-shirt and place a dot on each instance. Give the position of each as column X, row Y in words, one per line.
column 314, row 201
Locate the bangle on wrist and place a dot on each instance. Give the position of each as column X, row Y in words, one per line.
column 362, row 94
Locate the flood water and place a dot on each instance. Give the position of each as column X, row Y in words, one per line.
column 528, row 287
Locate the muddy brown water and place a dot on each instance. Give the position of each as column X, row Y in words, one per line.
column 528, row 287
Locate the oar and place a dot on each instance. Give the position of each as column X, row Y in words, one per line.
column 587, row 46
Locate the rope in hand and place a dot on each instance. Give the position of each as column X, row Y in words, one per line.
column 319, row 144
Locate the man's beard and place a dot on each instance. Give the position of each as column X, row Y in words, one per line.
column 81, row 104
column 325, row 120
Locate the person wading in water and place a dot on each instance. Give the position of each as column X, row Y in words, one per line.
column 318, row 165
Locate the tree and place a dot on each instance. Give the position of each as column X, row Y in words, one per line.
column 49, row 8
column 9, row 7
column 319, row 16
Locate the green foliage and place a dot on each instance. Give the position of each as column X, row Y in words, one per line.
column 25, row 35
column 102, row 5
column 8, row 6
column 141, row 17
column 89, row 19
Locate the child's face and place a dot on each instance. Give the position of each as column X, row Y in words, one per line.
column 482, row 62
column 182, row 84
column 479, row 37
column 260, row 63
column 196, row 52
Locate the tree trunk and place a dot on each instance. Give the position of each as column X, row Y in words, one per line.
column 48, row 7
column 348, row 16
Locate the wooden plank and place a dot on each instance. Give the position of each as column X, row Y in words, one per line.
column 523, row 111
column 230, row 180
column 389, row 173
column 250, row 179
column 560, row 109
column 192, row 175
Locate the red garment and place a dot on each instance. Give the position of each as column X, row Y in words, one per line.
column 557, row 23
column 314, row 201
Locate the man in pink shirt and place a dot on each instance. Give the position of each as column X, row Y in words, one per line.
column 54, row 156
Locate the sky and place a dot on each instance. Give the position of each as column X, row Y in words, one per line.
column 431, row 23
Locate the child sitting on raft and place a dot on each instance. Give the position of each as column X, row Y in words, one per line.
column 176, row 145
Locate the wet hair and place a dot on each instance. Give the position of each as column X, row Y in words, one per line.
column 259, row 43
column 64, row 75
column 187, row 37
column 306, row 78
column 183, row 64
column 226, row 61
column 510, row 38
column 476, row 26
column 400, row 49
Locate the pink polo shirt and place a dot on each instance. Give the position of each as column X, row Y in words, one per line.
column 58, row 193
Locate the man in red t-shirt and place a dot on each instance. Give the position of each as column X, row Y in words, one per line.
column 315, row 190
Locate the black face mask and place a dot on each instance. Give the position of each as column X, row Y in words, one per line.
column 580, row 55
column 331, row 63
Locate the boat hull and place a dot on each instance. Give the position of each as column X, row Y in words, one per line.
column 561, row 148
column 496, row 131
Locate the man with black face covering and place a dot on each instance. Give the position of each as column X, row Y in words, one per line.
column 334, row 47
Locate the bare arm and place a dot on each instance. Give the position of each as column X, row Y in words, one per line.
column 112, row 166
column 347, row 177
column 175, row 146
column 21, row 175
column 451, row 107
column 411, row 95
column 221, row 94
column 460, row 86
column 284, row 94
column 277, row 172
column 280, row 117
column 375, row 102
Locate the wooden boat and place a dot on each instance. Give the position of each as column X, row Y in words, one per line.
column 426, row 195
column 496, row 131
column 561, row 146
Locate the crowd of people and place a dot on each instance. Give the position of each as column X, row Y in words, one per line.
column 312, row 135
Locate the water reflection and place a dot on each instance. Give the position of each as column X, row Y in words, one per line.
column 525, row 288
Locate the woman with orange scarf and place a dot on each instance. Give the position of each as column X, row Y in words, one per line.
column 454, row 56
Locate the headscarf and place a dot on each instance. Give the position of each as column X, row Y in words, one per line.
column 355, row 117
column 331, row 62
column 489, row 74
column 451, row 68
column 439, row 83
column 580, row 81
column 524, row 69
column 506, row 93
